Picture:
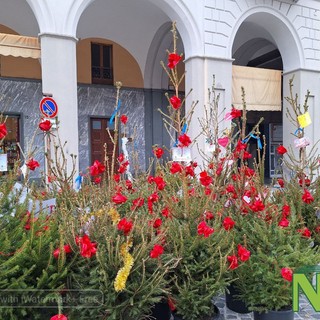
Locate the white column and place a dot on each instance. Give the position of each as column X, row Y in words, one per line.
column 59, row 78
column 199, row 77
column 304, row 80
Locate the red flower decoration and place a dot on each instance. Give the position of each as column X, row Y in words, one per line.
column 307, row 197
column 116, row 177
column 209, row 215
column 286, row 274
column 124, row 119
column 175, row 102
column 121, row 157
column 125, row 226
column 137, row 203
column 173, row 60
column 281, row 183
column 32, row 164
column 66, row 249
column 283, row 223
column 45, row 125
column 204, row 229
column 184, row 140
column 156, row 251
column 205, row 179
column 97, row 168
column 243, row 253
column 305, row 232
column 87, row 248
column 286, row 211
column 257, row 206
column 119, row 198
column 166, row 212
column 158, row 152
column 228, row 223
column 175, row 168
column 281, row 150
column 233, row 262
column 3, row 130
column 235, row 113
column 59, row 317
column 159, row 182
column 157, row 223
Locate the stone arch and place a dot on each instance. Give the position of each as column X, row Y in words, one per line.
column 280, row 31
column 154, row 75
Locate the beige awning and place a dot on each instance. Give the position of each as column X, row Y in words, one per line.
column 19, row 46
column 262, row 88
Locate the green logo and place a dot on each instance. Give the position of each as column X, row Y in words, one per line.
column 302, row 280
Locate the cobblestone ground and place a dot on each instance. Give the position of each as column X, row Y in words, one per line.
column 306, row 311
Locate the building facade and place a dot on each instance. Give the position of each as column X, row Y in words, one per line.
column 88, row 45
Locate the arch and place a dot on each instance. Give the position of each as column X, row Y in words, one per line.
column 154, row 75
column 176, row 10
column 280, row 31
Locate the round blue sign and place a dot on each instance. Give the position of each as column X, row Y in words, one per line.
column 48, row 107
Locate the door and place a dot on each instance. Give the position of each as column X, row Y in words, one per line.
column 99, row 139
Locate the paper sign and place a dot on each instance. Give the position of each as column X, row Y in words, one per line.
column 209, row 147
column 181, row 154
column 3, row 162
column 304, row 120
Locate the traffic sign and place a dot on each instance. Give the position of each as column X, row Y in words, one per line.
column 48, row 107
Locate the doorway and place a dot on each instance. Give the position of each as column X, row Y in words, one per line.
column 99, row 139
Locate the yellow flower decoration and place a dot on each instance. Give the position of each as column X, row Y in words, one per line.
column 123, row 273
column 114, row 215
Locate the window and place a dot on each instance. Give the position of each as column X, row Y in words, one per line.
column 101, row 63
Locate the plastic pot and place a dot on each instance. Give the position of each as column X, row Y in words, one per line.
column 232, row 302
column 274, row 315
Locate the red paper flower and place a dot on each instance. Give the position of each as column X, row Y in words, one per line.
column 125, row 226
column 243, row 253
column 190, row 171
column 124, row 119
column 87, row 248
column 184, row 140
column 121, row 157
column 283, row 223
column 159, row 182
column 175, row 168
column 157, row 223
column 3, row 130
column 66, row 249
column 257, row 206
column 307, row 197
column 97, row 168
column 205, row 179
column 119, row 198
column 233, row 262
column 156, row 251
column 281, row 150
column 32, row 164
column 59, row 317
column 158, row 152
column 235, row 113
column 166, row 212
column 45, row 125
column 173, row 60
column 286, row 211
column 209, row 215
column 228, row 223
column 116, row 177
column 204, row 229
column 175, row 102
column 286, row 274
column 281, row 183
column 137, row 203
column 305, row 232
column 97, row 180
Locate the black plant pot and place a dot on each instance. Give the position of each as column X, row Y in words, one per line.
column 161, row 311
column 232, row 302
column 216, row 316
column 274, row 315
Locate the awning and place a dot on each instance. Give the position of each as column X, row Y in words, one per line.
column 19, row 46
column 262, row 88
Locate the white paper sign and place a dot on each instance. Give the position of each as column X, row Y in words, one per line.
column 181, row 154
column 3, row 162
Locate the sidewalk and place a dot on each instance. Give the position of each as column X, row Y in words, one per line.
column 306, row 311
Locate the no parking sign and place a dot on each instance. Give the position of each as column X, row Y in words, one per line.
column 48, row 107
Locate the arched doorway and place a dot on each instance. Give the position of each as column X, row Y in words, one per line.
column 265, row 40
